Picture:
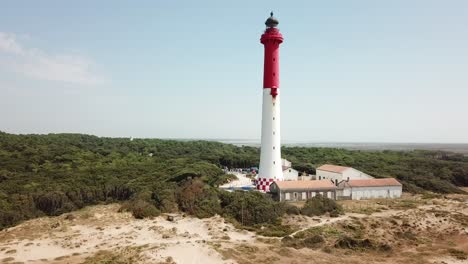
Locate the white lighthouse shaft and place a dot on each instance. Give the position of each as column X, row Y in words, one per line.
column 270, row 152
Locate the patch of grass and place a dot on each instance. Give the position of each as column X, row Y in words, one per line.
column 458, row 254
column 274, row 230
column 9, row 259
column 405, row 204
column 431, row 195
column 347, row 242
column 325, row 231
column 126, row 256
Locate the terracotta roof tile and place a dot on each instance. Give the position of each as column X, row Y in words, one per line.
column 374, row 182
column 314, row 184
column 333, row 168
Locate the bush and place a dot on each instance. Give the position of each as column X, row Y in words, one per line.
column 140, row 209
column 251, row 208
column 320, row 205
column 314, row 241
column 274, row 230
column 351, row 243
column 199, row 199
column 165, row 199
column 459, row 254
column 292, row 209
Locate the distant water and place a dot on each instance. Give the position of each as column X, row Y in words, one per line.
column 452, row 147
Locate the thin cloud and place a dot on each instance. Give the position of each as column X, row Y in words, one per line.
column 37, row 64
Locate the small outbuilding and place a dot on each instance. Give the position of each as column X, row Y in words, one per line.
column 369, row 189
column 291, row 191
column 290, row 174
column 337, row 173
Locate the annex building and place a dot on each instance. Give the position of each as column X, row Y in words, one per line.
column 289, row 174
column 290, row 191
column 337, row 173
column 360, row 189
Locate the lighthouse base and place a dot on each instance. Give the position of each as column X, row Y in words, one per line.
column 263, row 184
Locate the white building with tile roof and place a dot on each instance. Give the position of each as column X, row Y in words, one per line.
column 291, row 191
column 337, row 173
column 369, row 189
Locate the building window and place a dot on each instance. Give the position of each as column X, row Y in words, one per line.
column 273, row 163
column 273, row 118
column 289, row 170
column 273, row 132
column 273, row 104
column 287, row 196
column 273, row 147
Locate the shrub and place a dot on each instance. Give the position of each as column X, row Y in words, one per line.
column 251, row 208
column 351, row 243
column 140, row 209
column 320, row 205
column 459, row 254
column 274, row 230
column 314, row 241
column 199, row 199
column 292, row 209
column 165, row 199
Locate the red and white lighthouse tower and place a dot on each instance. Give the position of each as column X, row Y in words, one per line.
column 270, row 153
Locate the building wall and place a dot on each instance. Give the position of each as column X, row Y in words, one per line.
column 337, row 177
column 305, row 178
column 354, row 174
column 290, row 175
column 321, row 175
column 302, row 195
column 360, row 193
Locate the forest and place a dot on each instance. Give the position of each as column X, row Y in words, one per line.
column 58, row 173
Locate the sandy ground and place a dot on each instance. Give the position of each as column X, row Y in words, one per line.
column 241, row 181
column 102, row 228
column 100, row 232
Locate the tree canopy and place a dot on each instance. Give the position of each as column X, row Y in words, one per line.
column 56, row 173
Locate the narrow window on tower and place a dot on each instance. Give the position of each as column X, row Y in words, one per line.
column 273, row 118
column 273, row 163
column 273, row 104
column 273, row 147
column 273, row 132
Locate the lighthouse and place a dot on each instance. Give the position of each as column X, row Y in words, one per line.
column 270, row 153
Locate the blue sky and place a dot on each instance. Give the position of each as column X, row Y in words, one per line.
column 364, row 71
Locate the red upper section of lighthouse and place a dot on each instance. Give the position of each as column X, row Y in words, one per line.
column 271, row 39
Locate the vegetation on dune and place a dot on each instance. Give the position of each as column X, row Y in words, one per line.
column 320, row 205
column 57, row 173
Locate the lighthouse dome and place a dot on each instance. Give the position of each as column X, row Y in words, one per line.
column 271, row 22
